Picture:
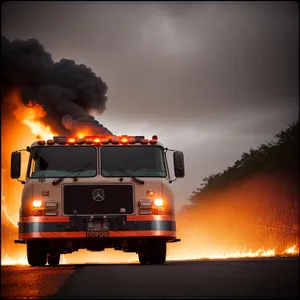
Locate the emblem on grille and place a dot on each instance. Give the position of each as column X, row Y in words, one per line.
column 98, row 195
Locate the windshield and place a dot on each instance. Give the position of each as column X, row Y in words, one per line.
column 139, row 161
column 63, row 161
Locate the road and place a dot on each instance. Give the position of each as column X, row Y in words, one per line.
column 241, row 278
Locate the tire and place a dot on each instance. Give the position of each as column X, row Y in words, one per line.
column 53, row 260
column 143, row 258
column 155, row 253
column 36, row 253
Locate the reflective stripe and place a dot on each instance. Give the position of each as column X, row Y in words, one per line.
column 151, row 218
column 113, row 226
column 82, row 234
column 43, row 219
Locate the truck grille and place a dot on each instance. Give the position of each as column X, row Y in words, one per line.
column 97, row 199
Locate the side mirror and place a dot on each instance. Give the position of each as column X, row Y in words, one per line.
column 178, row 164
column 15, row 167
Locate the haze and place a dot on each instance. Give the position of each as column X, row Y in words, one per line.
column 210, row 79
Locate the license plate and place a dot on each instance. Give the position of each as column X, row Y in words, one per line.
column 97, row 234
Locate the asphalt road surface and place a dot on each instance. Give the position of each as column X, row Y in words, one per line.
column 241, row 278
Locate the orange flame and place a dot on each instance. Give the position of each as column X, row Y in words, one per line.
column 292, row 251
column 21, row 125
column 29, row 115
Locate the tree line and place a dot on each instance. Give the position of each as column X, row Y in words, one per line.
column 254, row 203
column 280, row 154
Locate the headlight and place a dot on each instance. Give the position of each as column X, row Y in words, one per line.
column 158, row 202
column 37, row 203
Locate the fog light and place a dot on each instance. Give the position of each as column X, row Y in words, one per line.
column 37, row 203
column 158, row 202
column 36, row 212
column 158, row 211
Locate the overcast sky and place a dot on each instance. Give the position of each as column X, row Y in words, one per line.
column 210, row 79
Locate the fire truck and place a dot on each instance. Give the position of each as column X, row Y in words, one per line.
column 97, row 192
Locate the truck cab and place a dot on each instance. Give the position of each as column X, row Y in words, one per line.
column 97, row 192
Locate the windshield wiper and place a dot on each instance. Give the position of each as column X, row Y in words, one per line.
column 132, row 176
column 58, row 180
column 75, row 177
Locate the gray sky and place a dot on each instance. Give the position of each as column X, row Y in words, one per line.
column 210, row 79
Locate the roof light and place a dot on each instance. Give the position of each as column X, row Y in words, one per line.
column 109, row 137
column 80, row 141
column 60, row 139
column 71, row 141
column 115, row 141
column 154, row 137
column 42, row 142
column 144, row 141
column 50, row 142
column 153, row 142
column 138, row 138
column 131, row 140
column 104, row 141
column 97, row 140
column 124, row 140
column 88, row 140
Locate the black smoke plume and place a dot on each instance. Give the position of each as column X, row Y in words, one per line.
column 68, row 92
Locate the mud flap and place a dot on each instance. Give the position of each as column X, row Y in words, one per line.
column 173, row 240
column 20, row 242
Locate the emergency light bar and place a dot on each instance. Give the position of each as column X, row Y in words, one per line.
column 100, row 140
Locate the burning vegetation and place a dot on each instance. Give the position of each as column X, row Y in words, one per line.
column 249, row 210
column 250, row 206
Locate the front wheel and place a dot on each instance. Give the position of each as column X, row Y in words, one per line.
column 53, row 260
column 155, row 254
column 143, row 258
column 36, row 253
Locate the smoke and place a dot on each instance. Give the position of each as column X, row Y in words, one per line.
column 68, row 92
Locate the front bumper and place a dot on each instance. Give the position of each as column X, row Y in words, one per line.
column 118, row 226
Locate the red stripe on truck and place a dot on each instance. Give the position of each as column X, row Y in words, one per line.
column 63, row 219
column 151, row 218
column 44, row 219
column 82, row 234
